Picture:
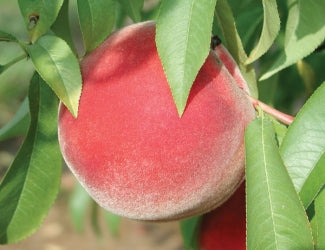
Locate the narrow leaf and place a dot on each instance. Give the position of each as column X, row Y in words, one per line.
column 59, row 67
column 97, row 20
column 305, row 30
column 39, row 15
column 113, row 222
column 271, row 27
column 32, row 182
column 61, row 26
column 183, row 41
column 189, row 230
column 18, row 126
column 233, row 43
column 276, row 218
column 6, row 37
column 133, row 8
column 78, row 205
column 95, row 218
column 304, row 143
column 318, row 220
column 313, row 183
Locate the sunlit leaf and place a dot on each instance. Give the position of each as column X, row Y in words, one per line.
column 59, row 67
column 276, row 218
column 305, row 30
column 39, row 15
column 304, row 143
column 183, row 38
column 271, row 27
column 32, row 182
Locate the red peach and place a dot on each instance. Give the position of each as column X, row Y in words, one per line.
column 129, row 148
column 225, row 227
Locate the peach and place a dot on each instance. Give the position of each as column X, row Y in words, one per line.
column 130, row 149
column 225, row 227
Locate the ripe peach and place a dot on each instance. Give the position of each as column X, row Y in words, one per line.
column 225, row 227
column 129, row 148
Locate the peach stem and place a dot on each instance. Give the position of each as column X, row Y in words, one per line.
column 282, row 117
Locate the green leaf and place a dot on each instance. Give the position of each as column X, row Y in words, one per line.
column 304, row 143
column 233, row 43
column 97, row 20
column 133, row 8
column 39, row 15
column 113, row 222
column 32, row 182
column 305, row 30
column 59, row 67
column 271, row 27
column 183, row 38
column 61, row 26
column 318, row 220
column 189, row 230
column 313, row 183
column 78, row 204
column 95, row 218
column 18, row 126
column 276, row 218
column 6, row 37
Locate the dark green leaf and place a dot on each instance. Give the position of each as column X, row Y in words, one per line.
column 318, row 220
column 113, row 222
column 304, row 143
column 233, row 43
column 189, row 230
column 39, row 15
column 271, row 27
column 32, row 182
column 59, row 67
column 183, row 38
column 133, row 8
column 61, row 26
column 95, row 218
column 276, row 218
column 18, row 126
column 6, row 37
column 305, row 30
column 97, row 20
column 78, row 204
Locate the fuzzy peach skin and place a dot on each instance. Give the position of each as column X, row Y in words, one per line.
column 225, row 227
column 129, row 148
column 229, row 62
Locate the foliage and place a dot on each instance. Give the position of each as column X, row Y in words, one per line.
column 279, row 47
